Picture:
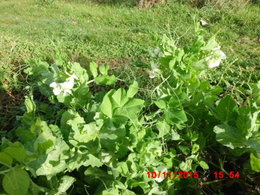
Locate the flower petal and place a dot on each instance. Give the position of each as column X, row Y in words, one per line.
column 56, row 91
column 68, row 84
column 53, row 84
column 161, row 169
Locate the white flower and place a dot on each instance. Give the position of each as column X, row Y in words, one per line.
column 63, row 88
column 161, row 169
column 203, row 22
column 215, row 59
column 154, row 72
column 156, row 52
column 217, row 48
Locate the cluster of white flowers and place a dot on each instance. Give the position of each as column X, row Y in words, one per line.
column 161, row 169
column 65, row 87
column 154, row 72
column 156, row 52
column 203, row 22
column 215, row 58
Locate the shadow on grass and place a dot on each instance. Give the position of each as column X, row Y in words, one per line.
column 131, row 3
column 10, row 107
column 124, row 3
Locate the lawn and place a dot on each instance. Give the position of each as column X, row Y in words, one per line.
column 102, row 32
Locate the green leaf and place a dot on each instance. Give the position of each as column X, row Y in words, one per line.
column 105, row 80
column 5, row 159
column 16, row 151
column 254, row 144
column 94, row 172
column 29, row 104
column 229, row 136
column 81, row 97
column 226, row 109
column 161, row 104
column 54, row 161
column 79, row 71
column 134, row 104
column 247, row 121
column 88, row 133
column 175, row 136
column 163, row 128
column 186, row 166
column 45, row 141
column 255, row 163
column 133, row 89
column 104, row 69
column 204, row 165
column 185, row 149
column 93, row 161
column 16, row 181
column 49, row 167
column 65, row 183
column 65, row 128
column 122, row 168
column 244, row 120
column 35, row 189
column 106, row 105
column 195, row 148
column 128, row 192
column 130, row 109
column 93, row 69
column 36, row 68
column 172, row 63
column 175, row 115
column 119, row 97
column 211, row 44
column 111, row 192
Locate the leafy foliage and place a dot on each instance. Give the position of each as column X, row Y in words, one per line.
column 104, row 142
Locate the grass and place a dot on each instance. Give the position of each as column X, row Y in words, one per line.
column 118, row 35
column 100, row 32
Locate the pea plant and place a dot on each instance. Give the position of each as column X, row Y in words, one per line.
column 81, row 134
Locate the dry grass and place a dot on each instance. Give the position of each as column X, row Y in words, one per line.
column 219, row 3
column 149, row 3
